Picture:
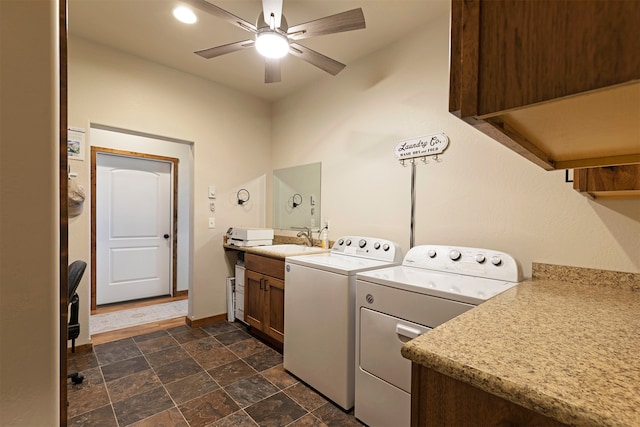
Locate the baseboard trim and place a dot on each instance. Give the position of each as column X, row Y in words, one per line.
column 197, row 323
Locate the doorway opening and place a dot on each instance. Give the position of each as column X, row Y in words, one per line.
column 109, row 140
column 133, row 241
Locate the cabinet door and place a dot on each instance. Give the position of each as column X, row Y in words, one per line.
column 254, row 299
column 274, row 308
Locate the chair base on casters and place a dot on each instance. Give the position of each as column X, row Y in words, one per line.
column 76, row 377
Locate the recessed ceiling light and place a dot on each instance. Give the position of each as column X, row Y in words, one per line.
column 184, row 14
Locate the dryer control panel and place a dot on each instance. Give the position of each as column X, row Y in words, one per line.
column 368, row 247
column 475, row 262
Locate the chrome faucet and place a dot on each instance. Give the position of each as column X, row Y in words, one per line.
column 308, row 235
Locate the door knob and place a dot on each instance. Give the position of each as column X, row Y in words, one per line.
column 166, row 236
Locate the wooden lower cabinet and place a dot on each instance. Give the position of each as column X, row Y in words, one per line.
column 264, row 295
column 439, row 400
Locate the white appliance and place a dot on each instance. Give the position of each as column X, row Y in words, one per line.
column 239, row 292
column 433, row 285
column 247, row 237
column 319, row 312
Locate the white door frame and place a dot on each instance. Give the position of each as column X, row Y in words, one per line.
column 174, row 215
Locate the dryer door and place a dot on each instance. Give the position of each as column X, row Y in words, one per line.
column 381, row 337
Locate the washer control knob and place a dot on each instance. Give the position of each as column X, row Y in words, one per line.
column 480, row 259
column 340, row 242
column 376, row 245
column 455, row 255
column 432, row 253
column 362, row 243
column 496, row 260
column 348, row 242
column 386, row 247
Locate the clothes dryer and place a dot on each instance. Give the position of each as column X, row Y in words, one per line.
column 396, row 304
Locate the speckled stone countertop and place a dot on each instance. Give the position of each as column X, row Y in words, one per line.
column 271, row 252
column 565, row 344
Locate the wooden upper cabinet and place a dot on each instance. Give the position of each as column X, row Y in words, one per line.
column 608, row 182
column 556, row 81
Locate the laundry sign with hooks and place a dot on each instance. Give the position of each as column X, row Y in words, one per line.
column 424, row 146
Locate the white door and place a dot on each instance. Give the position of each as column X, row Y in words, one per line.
column 133, row 228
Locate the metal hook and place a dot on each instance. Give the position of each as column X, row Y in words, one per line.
column 242, row 200
column 436, row 159
column 424, row 160
column 402, row 162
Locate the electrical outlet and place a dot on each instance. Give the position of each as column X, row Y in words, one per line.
column 212, row 222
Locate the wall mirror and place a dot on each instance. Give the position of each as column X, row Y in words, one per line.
column 296, row 197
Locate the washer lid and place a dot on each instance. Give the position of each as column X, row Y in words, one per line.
column 472, row 290
column 337, row 263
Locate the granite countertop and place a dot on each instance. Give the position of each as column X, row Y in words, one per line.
column 270, row 251
column 565, row 344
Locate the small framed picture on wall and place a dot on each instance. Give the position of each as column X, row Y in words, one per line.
column 75, row 143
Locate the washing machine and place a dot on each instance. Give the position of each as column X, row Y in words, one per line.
column 396, row 304
column 319, row 312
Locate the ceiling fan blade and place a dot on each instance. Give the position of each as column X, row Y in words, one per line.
column 214, row 10
column 325, row 63
column 272, row 70
column 345, row 21
column 212, row 52
column 272, row 7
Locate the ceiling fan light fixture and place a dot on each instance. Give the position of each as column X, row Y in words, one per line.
column 272, row 44
column 184, row 14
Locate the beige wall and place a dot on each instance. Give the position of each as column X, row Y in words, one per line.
column 480, row 195
column 231, row 147
column 29, row 215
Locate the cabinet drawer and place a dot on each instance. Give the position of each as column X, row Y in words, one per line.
column 265, row 265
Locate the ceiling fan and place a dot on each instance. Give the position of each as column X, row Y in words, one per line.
column 274, row 38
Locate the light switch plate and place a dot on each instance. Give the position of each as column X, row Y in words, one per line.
column 212, row 222
column 212, row 192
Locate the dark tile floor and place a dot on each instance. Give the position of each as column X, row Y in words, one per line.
column 217, row 375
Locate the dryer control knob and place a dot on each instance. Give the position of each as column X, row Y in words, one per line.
column 432, row 253
column 376, row 245
column 341, row 242
column 386, row 247
column 455, row 255
column 480, row 259
column 496, row 260
column 362, row 243
column 348, row 242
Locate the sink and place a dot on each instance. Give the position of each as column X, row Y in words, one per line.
column 289, row 249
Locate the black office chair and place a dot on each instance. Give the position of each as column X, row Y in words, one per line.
column 76, row 270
